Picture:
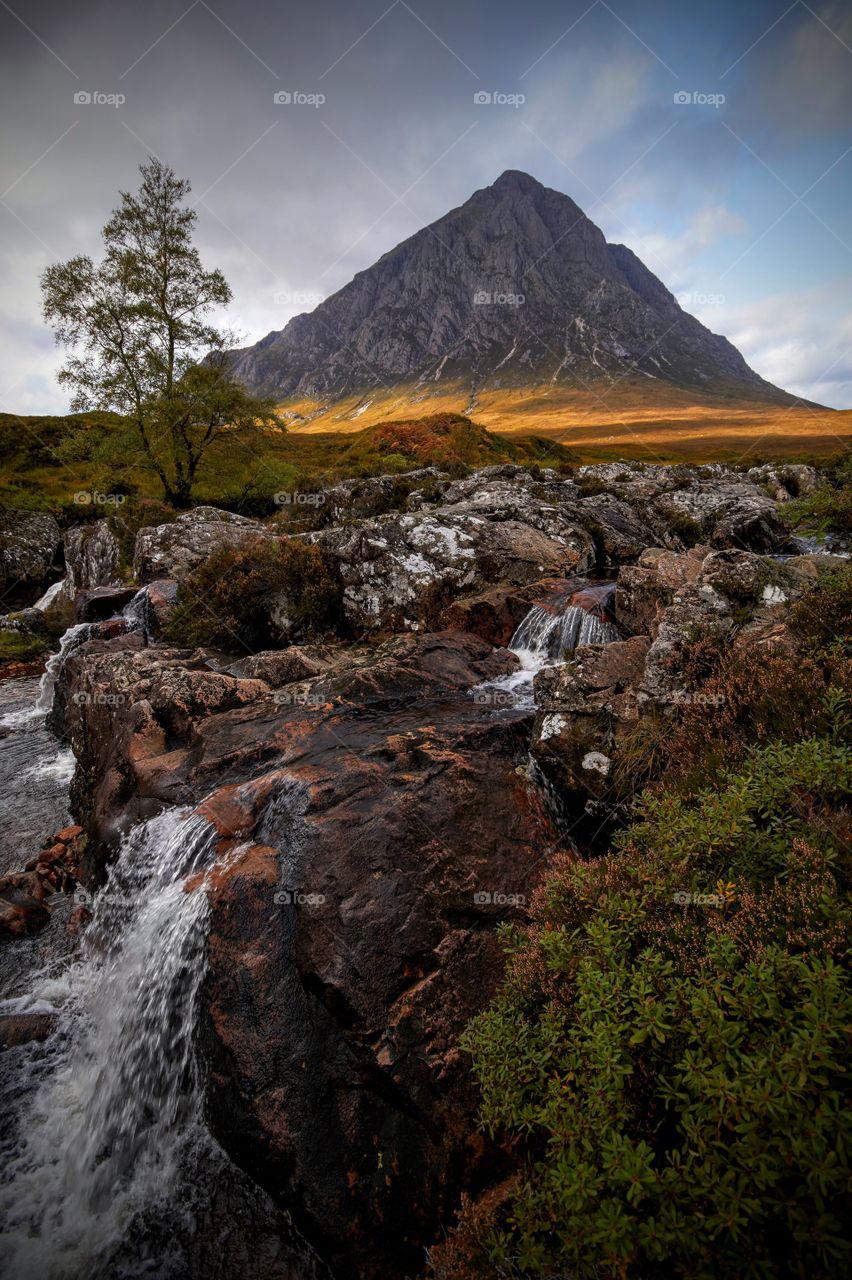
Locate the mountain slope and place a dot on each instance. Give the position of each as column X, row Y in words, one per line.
column 517, row 288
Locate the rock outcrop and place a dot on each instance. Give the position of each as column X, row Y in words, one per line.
column 389, row 830
column 173, row 550
column 29, row 555
column 376, row 819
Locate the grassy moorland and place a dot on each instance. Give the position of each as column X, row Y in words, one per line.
column 49, row 460
column 631, row 419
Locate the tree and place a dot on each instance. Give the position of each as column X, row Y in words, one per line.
column 141, row 341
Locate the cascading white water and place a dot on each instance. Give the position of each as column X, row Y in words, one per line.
column 71, row 640
column 544, row 638
column 115, row 1097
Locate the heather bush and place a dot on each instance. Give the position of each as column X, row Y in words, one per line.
column 253, row 596
column 668, row 1047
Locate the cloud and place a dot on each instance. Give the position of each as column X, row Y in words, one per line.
column 801, row 341
column 799, row 80
column 675, row 256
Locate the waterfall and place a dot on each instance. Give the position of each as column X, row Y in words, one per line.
column 115, row 1096
column 71, row 640
column 544, row 638
column 135, row 613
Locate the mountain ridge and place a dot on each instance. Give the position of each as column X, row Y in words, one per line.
column 515, row 288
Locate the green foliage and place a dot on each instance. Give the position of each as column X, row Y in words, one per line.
column 822, row 618
column 246, row 598
column 688, row 530
column 677, row 1071
column 829, row 510
column 22, row 646
column 140, row 342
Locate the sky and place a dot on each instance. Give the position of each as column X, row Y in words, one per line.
column 713, row 139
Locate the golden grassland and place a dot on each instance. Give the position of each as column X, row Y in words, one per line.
column 662, row 423
column 364, row 437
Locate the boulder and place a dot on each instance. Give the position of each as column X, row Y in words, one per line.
column 174, row 550
column 584, row 708
column 100, row 603
column 29, row 547
column 785, row 481
column 392, row 568
column 23, row 1028
column 495, row 615
column 374, row 838
column 644, row 590
column 91, row 558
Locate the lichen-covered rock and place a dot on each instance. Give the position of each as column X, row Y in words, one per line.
column 644, row 590
column 174, row 550
column 498, row 533
column 785, row 481
column 91, row 558
column 29, row 545
column 584, row 708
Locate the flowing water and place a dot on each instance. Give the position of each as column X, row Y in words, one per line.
column 547, row 636
column 115, row 1088
column 107, row 1170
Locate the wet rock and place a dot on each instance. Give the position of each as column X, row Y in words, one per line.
column 584, row 708
column 375, row 837
column 160, row 603
column 496, row 614
column 23, row 1028
column 29, row 547
column 278, row 667
column 173, row 550
column 91, row 558
column 22, row 909
column 100, row 603
column 347, row 951
column 77, row 920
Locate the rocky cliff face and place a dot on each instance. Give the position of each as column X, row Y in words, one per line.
column 377, row 810
column 515, row 288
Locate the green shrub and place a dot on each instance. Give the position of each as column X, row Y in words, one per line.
column 822, row 617
column 246, row 598
column 676, row 1072
column 22, row 646
column 684, row 527
column 829, row 510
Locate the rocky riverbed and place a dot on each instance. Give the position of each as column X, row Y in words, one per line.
column 356, row 818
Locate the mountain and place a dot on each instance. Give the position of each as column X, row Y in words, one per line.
column 517, row 288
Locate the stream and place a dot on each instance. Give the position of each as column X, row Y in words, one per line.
column 108, row 1170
